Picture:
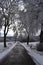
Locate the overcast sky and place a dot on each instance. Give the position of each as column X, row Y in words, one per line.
column 10, row 33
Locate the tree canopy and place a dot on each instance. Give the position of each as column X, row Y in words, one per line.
column 29, row 12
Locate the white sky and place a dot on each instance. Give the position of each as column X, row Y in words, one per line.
column 21, row 5
column 10, row 33
column 38, row 33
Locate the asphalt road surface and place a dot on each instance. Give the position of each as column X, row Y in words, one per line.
column 18, row 56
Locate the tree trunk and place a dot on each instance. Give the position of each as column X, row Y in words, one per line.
column 41, row 37
column 27, row 43
column 4, row 39
column 28, row 40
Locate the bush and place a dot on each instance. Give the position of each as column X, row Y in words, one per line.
column 40, row 47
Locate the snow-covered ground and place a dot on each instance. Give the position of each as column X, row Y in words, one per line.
column 37, row 57
column 5, row 51
column 2, row 49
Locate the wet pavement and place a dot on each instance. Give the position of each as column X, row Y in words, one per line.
column 18, row 56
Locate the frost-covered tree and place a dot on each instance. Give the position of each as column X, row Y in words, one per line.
column 7, row 16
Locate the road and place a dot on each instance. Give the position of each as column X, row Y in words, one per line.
column 18, row 56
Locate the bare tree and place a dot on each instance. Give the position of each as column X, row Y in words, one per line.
column 6, row 17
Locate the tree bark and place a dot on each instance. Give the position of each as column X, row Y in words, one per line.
column 4, row 39
column 28, row 40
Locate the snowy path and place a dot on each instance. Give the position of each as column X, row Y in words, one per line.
column 36, row 57
column 18, row 56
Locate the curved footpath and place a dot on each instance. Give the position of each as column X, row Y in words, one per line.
column 18, row 56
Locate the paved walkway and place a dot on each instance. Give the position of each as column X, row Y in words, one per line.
column 18, row 56
column 36, row 57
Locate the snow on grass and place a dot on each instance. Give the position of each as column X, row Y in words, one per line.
column 2, row 49
column 5, row 51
